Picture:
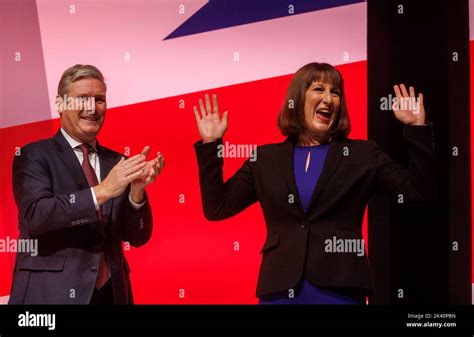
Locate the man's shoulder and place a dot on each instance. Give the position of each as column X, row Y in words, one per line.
column 41, row 145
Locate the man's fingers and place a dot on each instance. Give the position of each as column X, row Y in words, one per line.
column 161, row 160
column 145, row 150
column 134, row 176
column 136, row 168
column 138, row 158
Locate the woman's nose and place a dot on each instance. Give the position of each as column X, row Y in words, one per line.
column 327, row 98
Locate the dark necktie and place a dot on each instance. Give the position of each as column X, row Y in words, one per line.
column 103, row 274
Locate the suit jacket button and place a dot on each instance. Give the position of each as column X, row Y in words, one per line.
column 94, row 269
column 304, row 224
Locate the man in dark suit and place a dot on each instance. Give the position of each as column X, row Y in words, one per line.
column 81, row 201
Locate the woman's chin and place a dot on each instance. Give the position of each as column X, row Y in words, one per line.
column 319, row 127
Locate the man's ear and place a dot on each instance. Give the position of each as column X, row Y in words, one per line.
column 59, row 104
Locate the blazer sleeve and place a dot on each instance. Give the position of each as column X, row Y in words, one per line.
column 138, row 224
column 417, row 184
column 222, row 200
column 39, row 210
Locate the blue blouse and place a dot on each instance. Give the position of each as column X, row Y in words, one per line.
column 306, row 181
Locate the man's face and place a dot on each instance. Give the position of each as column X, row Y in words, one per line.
column 83, row 122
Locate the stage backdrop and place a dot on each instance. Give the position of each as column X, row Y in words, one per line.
column 159, row 57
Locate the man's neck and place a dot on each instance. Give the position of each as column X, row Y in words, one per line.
column 66, row 134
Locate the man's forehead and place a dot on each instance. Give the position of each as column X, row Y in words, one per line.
column 87, row 85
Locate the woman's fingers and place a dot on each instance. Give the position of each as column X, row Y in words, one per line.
column 196, row 113
column 225, row 117
column 397, row 91
column 208, row 104
column 203, row 110
column 216, row 104
column 404, row 90
column 206, row 107
column 412, row 92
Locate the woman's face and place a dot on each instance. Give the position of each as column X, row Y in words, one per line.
column 322, row 104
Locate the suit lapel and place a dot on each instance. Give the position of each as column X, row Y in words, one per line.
column 69, row 159
column 330, row 166
column 285, row 162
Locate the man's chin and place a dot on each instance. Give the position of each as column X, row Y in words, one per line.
column 90, row 133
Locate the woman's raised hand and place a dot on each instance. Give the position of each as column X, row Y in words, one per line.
column 407, row 108
column 210, row 124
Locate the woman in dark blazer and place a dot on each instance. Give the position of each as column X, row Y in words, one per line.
column 314, row 187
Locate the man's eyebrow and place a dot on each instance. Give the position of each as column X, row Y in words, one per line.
column 89, row 95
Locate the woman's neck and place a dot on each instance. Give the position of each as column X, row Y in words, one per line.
column 307, row 140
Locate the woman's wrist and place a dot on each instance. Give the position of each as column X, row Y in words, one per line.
column 208, row 140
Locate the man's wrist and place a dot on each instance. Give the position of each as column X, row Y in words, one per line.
column 137, row 194
column 100, row 195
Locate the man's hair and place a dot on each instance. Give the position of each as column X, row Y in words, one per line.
column 76, row 73
column 291, row 119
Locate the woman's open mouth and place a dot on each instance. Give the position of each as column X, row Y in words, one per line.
column 323, row 115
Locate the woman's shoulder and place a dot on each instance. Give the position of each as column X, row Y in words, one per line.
column 358, row 141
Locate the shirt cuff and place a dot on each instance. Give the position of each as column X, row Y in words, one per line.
column 136, row 206
column 96, row 204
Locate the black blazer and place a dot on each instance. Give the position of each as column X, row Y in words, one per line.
column 55, row 206
column 295, row 245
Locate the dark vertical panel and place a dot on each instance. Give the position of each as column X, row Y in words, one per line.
column 459, row 166
column 410, row 246
column 379, row 74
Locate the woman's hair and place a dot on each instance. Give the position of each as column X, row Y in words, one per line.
column 291, row 120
